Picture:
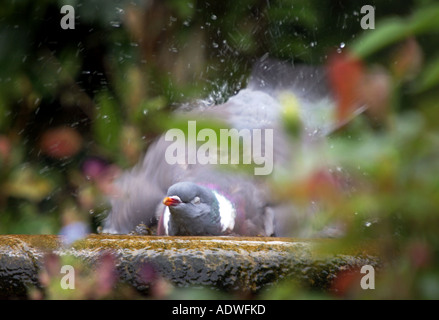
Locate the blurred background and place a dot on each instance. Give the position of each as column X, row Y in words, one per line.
column 78, row 106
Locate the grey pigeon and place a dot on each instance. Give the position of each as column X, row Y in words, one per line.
column 207, row 199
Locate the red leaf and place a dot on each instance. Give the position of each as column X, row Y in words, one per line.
column 60, row 143
column 346, row 281
column 345, row 74
column 322, row 185
column 5, row 147
column 408, row 59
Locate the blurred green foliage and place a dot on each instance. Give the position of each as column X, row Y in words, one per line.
column 116, row 77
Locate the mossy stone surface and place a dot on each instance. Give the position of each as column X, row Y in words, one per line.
column 225, row 263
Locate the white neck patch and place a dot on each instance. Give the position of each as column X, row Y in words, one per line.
column 166, row 216
column 227, row 212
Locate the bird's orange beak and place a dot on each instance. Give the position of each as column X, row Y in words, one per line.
column 171, row 201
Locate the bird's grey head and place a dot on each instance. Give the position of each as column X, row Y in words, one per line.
column 194, row 210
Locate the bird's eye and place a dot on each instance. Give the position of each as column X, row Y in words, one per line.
column 196, row 200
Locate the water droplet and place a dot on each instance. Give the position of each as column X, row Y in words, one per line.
column 342, row 45
column 44, row 170
column 214, row 17
column 215, row 45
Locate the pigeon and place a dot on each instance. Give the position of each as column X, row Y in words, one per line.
column 209, row 199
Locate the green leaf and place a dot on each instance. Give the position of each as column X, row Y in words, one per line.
column 386, row 33
column 183, row 9
column 428, row 78
column 147, row 107
column 394, row 29
column 107, row 124
column 26, row 183
column 425, row 20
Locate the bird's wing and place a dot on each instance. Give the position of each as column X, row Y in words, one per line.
column 140, row 190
